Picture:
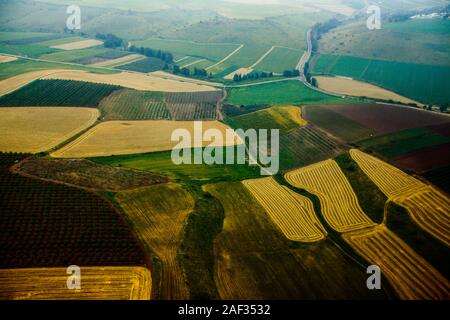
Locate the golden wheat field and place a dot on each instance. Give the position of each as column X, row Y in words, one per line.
column 411, row 276
column 129, row 137
column 119, row 61
column 132, row 80
column 427, row 206
column 159, row 214
column 83, row 44
column 37, row 129
column 340, row 205
column 291, row 212
column 97, row 283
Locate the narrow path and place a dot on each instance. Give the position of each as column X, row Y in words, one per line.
column 226, row 58
column 262, row 58
column 192, row 63
column 182, row 59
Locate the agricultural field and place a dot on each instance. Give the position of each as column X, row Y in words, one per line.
column 292, row 213
column 77, row 45
column 340, row 205
column 26, row 50
column 439, row 177
column 144, row 65
column 135, row 81
column 411, row 276
column 51, row 225
column 58, row 93
column 104, row 60
column 193, row 106
column 122, row 137
column 423, row 160
column 161, row 162
column 419, row 82
column 280, row 59
column 88, row 174
column 6, row 59
column 254, row 260
column 350, row 87
column 127, row 104
column 38, row 129
column 99, row 283
column 279, row 93
column 159, row 222
column 81, row 56
column 426, row 205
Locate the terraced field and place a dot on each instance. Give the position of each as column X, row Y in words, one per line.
column 427, row 206
column 411, row 276
column 291, row 212
column 97, row 283
column 340, row 205
column 193, row 106
column 159, row 215
column 38, row 129
column 130, row 104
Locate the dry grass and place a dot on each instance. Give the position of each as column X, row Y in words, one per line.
column 36, row 129
column 411, row 276
column 119, row 61
column 291, row 212
column 79, row 45
column 241, row 71
column 355, row 88
column 340, row 205
column 427, row 206
column 138, row 81
column 129, row 137
column 4, row 59
column 97, row 283
column 159, row 214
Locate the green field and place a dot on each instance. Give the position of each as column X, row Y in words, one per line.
column 8, row 36
column 424, row 83
column 20, row 66
column 336, row 124
column 58, row 93
column 144, row 65
column 129, row 104
column 57, row 42
column 74, row 55
column 26, row 50
column 278, row 93
column 280, row 59
column 433, row 26
column 396, row 144
column 161, row 162
column 180, row 48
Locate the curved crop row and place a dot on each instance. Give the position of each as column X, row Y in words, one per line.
column 291, row 212
column 340, row 205
column 427, row 206
column 410, row 275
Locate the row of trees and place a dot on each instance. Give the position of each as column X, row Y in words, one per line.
column 111, row 41
column 196, row 72
column 165, row 56
column 252, row 76
column 291, row 73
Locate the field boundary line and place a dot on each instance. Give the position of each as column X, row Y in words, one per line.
column 262, row 58
column 192, row 63
column 226, row 58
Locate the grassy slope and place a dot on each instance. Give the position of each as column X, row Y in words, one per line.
column 280, row 59
column 286, row 92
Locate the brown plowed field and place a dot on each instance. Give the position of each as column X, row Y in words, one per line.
column 425, row 159
column 387, row 118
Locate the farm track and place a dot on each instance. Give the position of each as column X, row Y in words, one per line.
column 159, row 215
column 340, row 205
column 428, row 207
column 97, row 283
column 411, row 276
column 291, row 212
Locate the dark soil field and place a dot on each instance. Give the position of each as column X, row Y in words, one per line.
column 385, row 119
column 425, row 159
column 51, row 225
column 89, row 174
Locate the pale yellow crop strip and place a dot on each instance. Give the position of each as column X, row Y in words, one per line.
column 411, row 276
column 428, row 207
column 291, row 212
column 340, row 205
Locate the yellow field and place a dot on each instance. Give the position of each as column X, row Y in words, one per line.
column 159, row 214
column 16, row 82
column 291, row 212
column 427, row 206
column 83, row 44
column 129, row 137
column 340, row 205
column 410, row 275
column 132, row 80
column 36, row 129
column 4, row 59
column 119, row 61
column 97, row 283
column 356, row 88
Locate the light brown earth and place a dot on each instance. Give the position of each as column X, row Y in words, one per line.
column 119, row 61
column 4, row 59
column 79, row 45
